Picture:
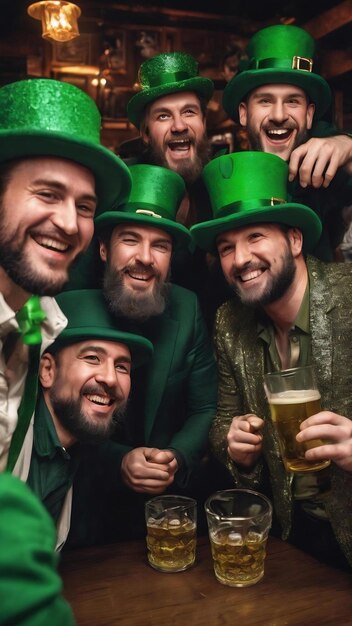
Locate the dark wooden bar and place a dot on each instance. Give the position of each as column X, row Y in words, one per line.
column 113, row 585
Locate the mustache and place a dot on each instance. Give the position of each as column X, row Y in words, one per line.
column 100, row 389
column 249, row 267
column 53, row 233
column 140, row 267
column 181, row 134
column 275, row 125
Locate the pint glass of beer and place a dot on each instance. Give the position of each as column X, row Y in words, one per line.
column 293, row 396
column 171, row 532
column 239, row 521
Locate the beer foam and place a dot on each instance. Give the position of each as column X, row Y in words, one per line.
column 295, row 396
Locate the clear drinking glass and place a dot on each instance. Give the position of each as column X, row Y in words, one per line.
column 293, row 396
column 171, row 532
column 239, row 521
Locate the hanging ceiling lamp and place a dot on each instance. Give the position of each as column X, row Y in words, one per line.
column 58, row 17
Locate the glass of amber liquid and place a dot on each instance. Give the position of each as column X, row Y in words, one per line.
column 171, row 532
column 239, row 521
column 293, row 396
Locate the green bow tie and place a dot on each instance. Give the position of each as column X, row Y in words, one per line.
column 29, row 319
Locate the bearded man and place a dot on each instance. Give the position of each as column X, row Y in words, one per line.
column 289, row 312
column 54, row 177
column 280, row 99
column 85, row 378
column 165, row 432
column 170, row 113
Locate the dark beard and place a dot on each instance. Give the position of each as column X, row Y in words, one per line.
column 132, row 304
column 278, row 287
column 73, row 420
column 190, row 170
column 14, row 262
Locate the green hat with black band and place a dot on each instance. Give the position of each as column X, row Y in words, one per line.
column 170, row 72
column 281, row 54
column 251, row 188
column 41, row 117
column 155, row 197
column 89, row 318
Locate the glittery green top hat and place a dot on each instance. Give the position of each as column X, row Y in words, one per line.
column 154, row 199
column 166, row 73
column 278, row 54
column 89, row 318
column 44, row 117
column 251, row 188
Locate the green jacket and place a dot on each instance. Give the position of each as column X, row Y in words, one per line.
column 30, row 588
column 240, row 357
column 180, row 388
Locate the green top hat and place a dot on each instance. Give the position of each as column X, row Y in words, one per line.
column 170, row 72
column 44, row 117
column 89, row 318
column 278, row 54
column 251, row 188
column 154, row 199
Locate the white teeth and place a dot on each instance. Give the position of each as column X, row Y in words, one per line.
column 180, row 144
column 139, row 276
column 278, row 131
column 53, row 244
column 250, row 275
column 99, row 399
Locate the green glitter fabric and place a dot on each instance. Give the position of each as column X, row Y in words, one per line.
column 44, row 117
column 163, row 74
column 240, row 359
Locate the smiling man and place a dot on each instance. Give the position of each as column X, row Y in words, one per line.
column 280, row 99
column 170, row 113
column 288, row 312
column 165, row 432
column 277, row 118
column 85, row 378
column 54, row 177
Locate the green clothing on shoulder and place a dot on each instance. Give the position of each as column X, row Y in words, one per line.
column 175, row 407
column 30, row 588
column 52, row 468
column 171, row 406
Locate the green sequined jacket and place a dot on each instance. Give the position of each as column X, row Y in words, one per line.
column 240, row 356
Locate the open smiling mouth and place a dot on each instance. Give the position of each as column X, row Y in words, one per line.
column 250, row 275
column 180, row 145
column 100, row 400
column 51, row 244
column 141, row 276
column 279, row 134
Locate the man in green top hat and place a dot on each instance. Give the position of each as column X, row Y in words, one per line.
column 277, row 96
column 54, row 177
column 166, row 427
column 85, row 382
column 289, row 312
column 169, row 111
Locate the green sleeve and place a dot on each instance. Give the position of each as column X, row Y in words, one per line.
column 190, row 442
column 30, row 587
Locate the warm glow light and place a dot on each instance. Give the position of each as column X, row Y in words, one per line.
column 58, row 17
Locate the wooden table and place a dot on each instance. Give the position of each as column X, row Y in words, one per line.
column 113, row 585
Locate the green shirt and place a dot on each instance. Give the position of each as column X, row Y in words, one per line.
column 299, row 339
column 308, row 487
column 52, row 468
